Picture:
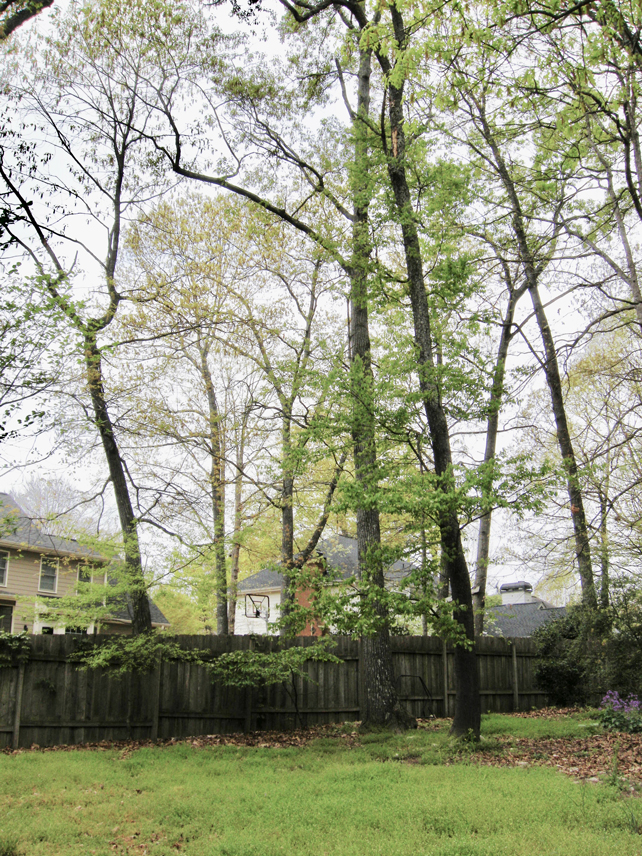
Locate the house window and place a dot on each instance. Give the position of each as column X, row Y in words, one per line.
column 47, row 631
column 48, row 574
column 84, row 574
column 76, row 631
column 6, row 618
column 4, row 564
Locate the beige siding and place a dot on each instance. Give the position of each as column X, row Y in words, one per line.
column 23, row 574
column 115, row 629
column 23, row 586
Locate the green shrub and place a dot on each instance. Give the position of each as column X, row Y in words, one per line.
column 590, row 651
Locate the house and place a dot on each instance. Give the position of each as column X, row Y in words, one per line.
column 521, row 612
column 36, row 569
column 260, row 594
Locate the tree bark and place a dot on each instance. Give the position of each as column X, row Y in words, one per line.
column 238, row 523
column 217, row 491
column 604, row 546
column 492, row 426
column 578, row 515
column 287, row 525
column 551, row 370
column 15, row 13
column 380, row 705
column 137, row 589
column 467, row 718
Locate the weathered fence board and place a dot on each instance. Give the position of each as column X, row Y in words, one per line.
column 49, row 701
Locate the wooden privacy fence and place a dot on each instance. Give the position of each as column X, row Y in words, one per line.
column 49, row 701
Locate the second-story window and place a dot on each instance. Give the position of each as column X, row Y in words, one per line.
column 48, row 574
column 4, row 564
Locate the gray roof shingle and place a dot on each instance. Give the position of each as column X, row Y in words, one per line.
column 123, row 607
column 519, row 619
column 341, row 555
column 19, row 530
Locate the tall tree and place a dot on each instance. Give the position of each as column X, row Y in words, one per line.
column 260, row 134
column 90, row 114
column 525, row 189
column 220, row 273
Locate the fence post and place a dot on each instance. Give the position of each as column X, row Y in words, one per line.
column 156, row 699
column 445, row 671
column 515, row 683
column 18, row 707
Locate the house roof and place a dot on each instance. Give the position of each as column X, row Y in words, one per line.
column 342, row 556
column 519, row 619
column 19, row 530
column 123, row 608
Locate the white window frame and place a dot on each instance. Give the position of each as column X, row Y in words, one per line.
column 4, row 583
column 55, row 588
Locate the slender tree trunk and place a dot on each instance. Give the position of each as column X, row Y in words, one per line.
column 578, row 515
column 380, row 705
column 238, row 524
column 424, row 565
column 551, row 370
column 217, row 490
column 604, row 552
column 287, row 522
column 604, row 537
column 467, row 717
column 492, row 426
column 137, row 588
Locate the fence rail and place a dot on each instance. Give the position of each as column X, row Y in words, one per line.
column 48, row 701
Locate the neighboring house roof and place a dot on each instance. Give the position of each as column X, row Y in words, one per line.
column 519, row 619
column 19, row 531
column 341, row 555
column 123, row 608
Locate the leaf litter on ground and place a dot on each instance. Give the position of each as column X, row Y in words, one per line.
column 594, row 757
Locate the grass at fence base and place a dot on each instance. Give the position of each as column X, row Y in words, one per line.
column 310, row 801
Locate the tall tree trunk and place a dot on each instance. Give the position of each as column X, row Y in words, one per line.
column 136, row 586
column 604, row 537
column 217, row 490
column 492, row 426
column 578, row 515
column 287, row 523
column 238, row 523
column 551, row 370
column 467, row 717
column 380, row 705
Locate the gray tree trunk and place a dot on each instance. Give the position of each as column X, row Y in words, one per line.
column 467, row 717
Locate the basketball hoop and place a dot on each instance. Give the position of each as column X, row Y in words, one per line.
column 257, row 606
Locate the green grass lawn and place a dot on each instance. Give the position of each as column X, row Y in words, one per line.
column 391, row 795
